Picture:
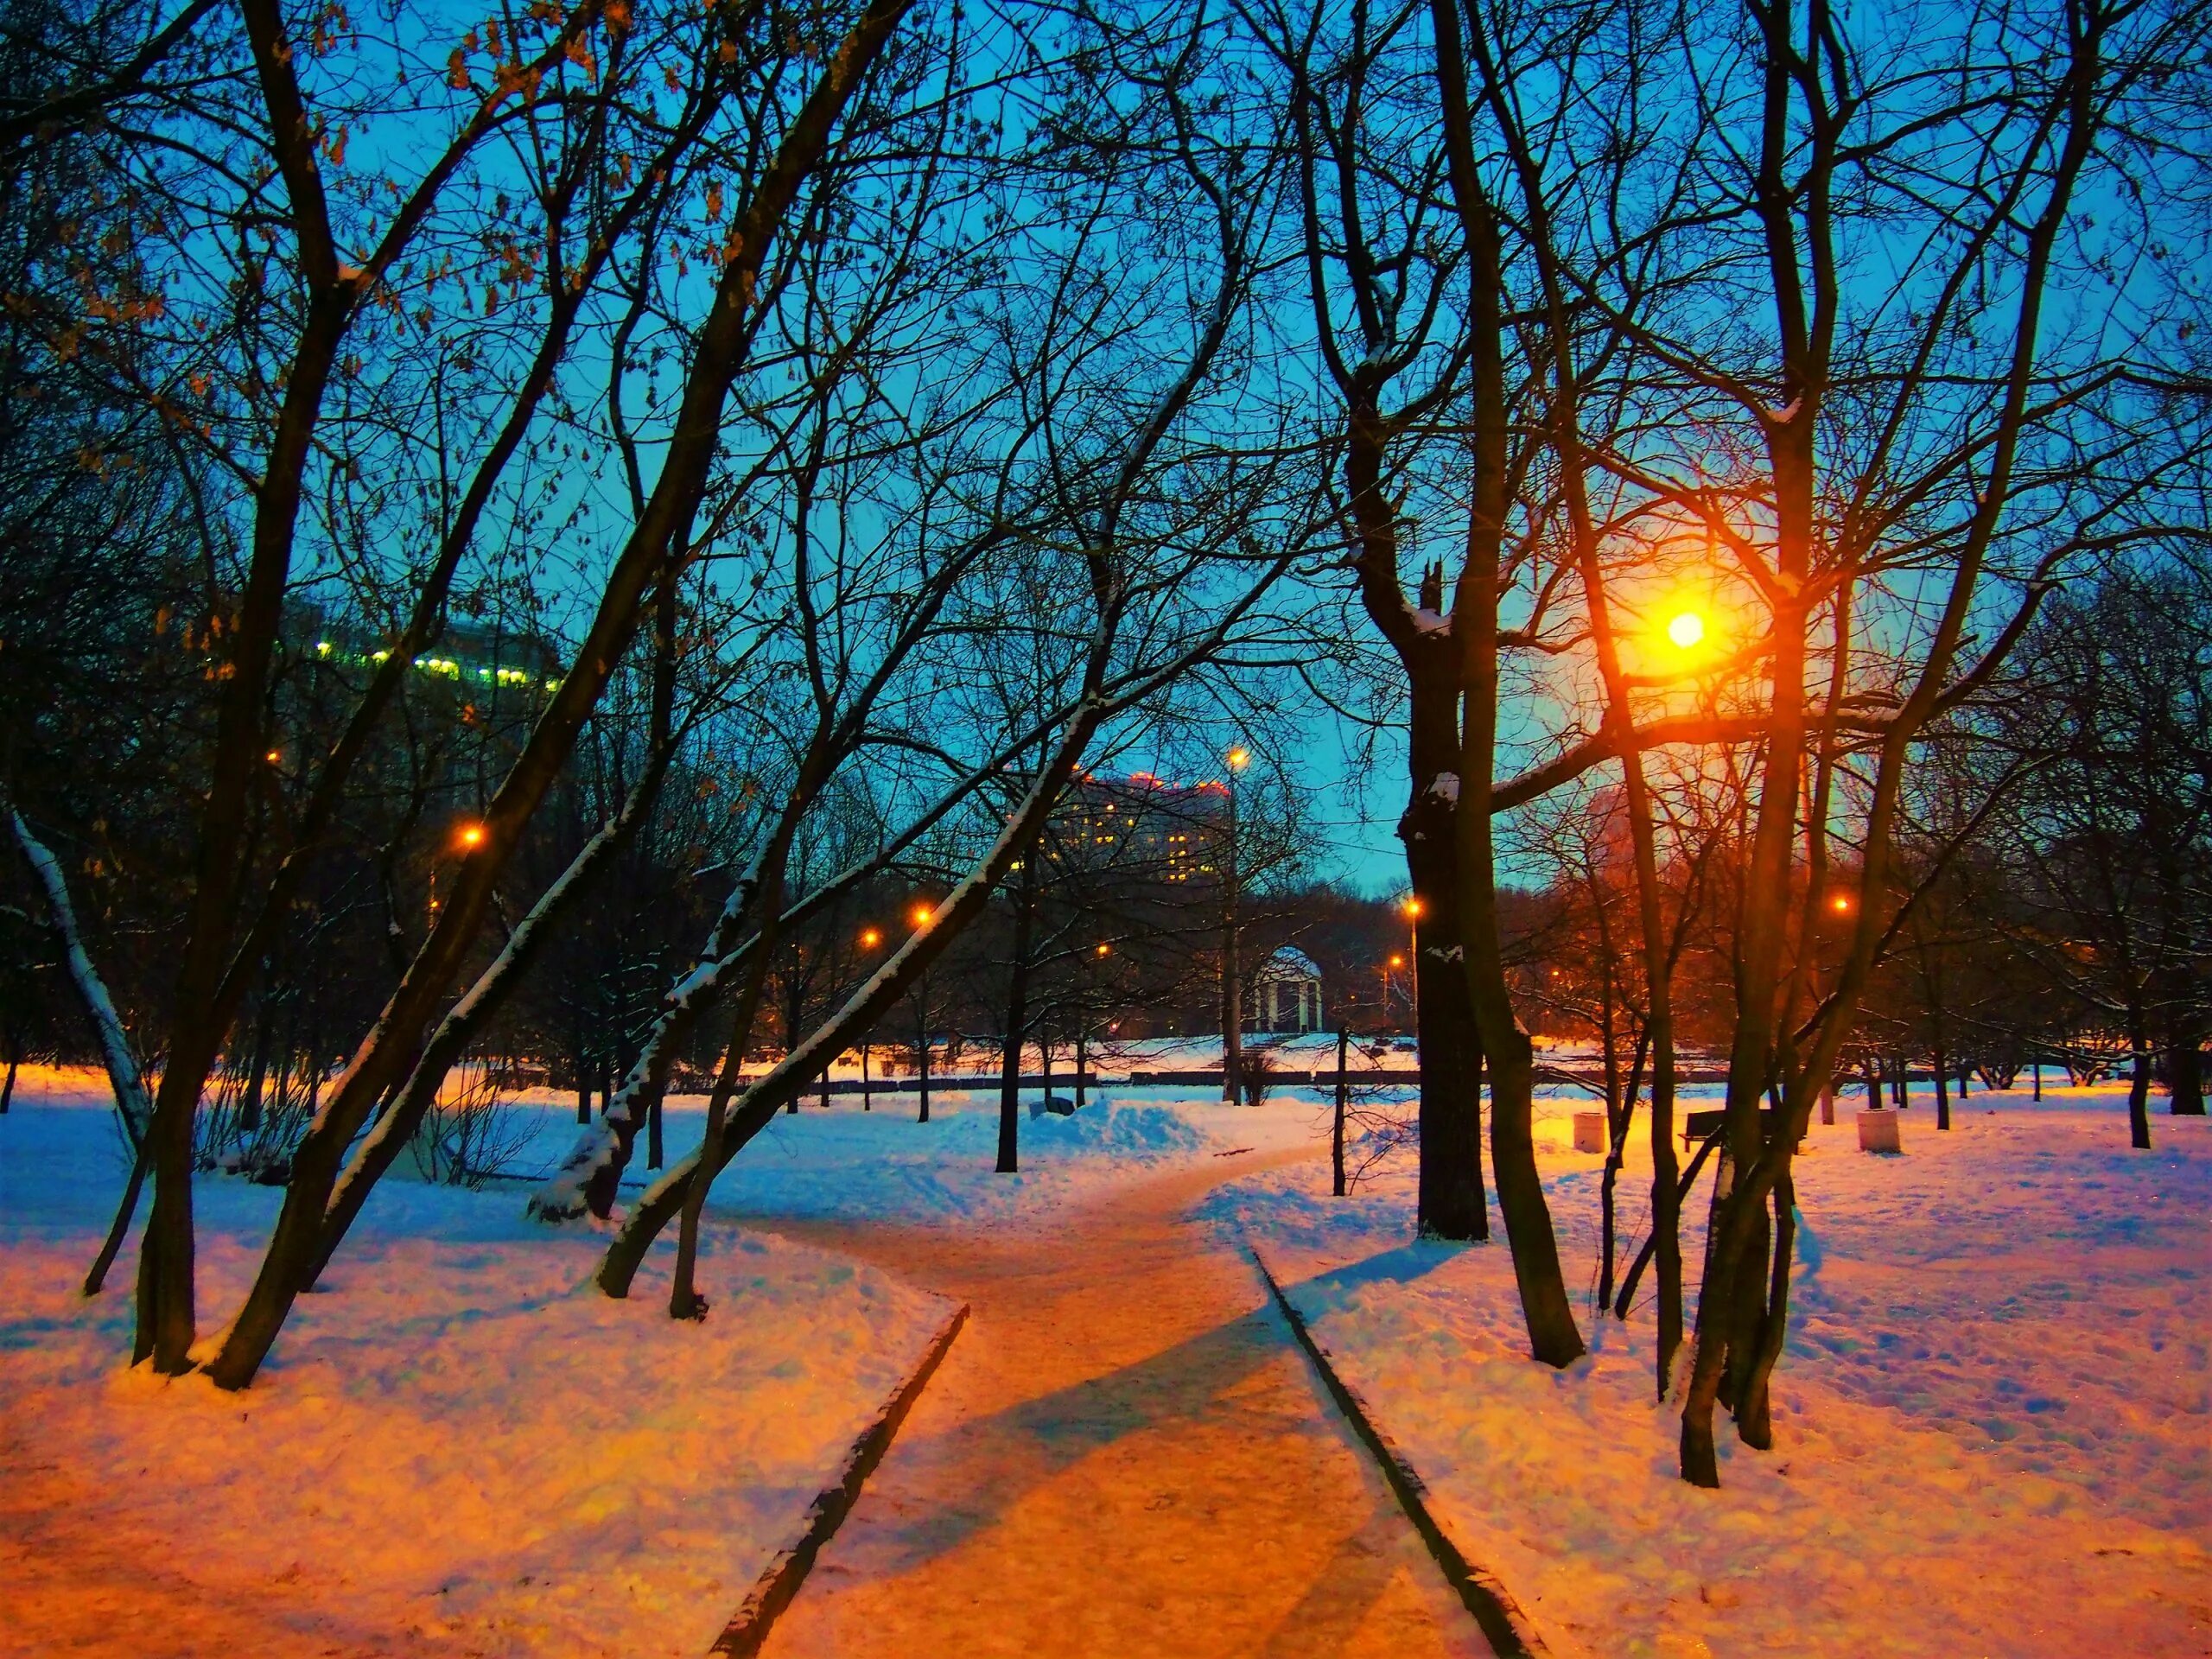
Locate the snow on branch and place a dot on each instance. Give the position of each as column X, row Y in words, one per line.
column 123, row 1075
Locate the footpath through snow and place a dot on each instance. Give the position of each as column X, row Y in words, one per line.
column 1124, row 1454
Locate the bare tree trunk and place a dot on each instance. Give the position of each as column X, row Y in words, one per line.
column 96, row 1279
column 1451, row 1203
column 1754, row 1407
column 2184, row 1078
column 922, row 1047
column 2139, row 1085
column 249, row 1106
column 1553, row 1338
column 1651, row 1245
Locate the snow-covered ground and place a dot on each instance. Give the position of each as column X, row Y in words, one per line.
column 1994, row 1429
column 459, row 1446
column 1994, row 1433
column 877, row 1161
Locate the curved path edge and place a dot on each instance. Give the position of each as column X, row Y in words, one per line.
column 779, row 1583
column 1507, row 1627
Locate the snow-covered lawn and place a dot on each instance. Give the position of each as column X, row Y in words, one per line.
column 459, row 1446
column 1993, row 1434
column 1994, row 1429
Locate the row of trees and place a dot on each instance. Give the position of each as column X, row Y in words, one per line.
column 1738, row 388
column 552, row 510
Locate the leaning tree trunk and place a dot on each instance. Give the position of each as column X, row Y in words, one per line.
column 383, row 1059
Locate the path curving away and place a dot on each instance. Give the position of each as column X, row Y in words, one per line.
column 1124, row 1454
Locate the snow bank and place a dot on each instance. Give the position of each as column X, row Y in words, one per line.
column 459, row 1447
column 883, row 1166
column 1994, row 1430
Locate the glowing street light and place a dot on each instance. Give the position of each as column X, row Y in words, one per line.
column 469, row 837
column 1232, row 1012
column 1412, row 907
column 922, row 915
column 870, row 939
column 1686, row 630
column 1105, row 950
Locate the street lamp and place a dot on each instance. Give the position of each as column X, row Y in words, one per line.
column 1232, row 990
column 1412, row 908
column 870, row 939
column 922, row 915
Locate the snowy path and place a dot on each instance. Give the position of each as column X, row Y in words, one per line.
column 1123, row 1454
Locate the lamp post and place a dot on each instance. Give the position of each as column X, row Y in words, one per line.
column 1232, row 989
column 869, row 939
column 1413, row 942
column 921, row 916
column 1083, row 1035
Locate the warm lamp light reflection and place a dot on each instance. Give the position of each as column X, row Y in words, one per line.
column 1686, row 630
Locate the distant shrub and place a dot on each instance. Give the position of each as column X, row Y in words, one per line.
column 1255, row 1073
